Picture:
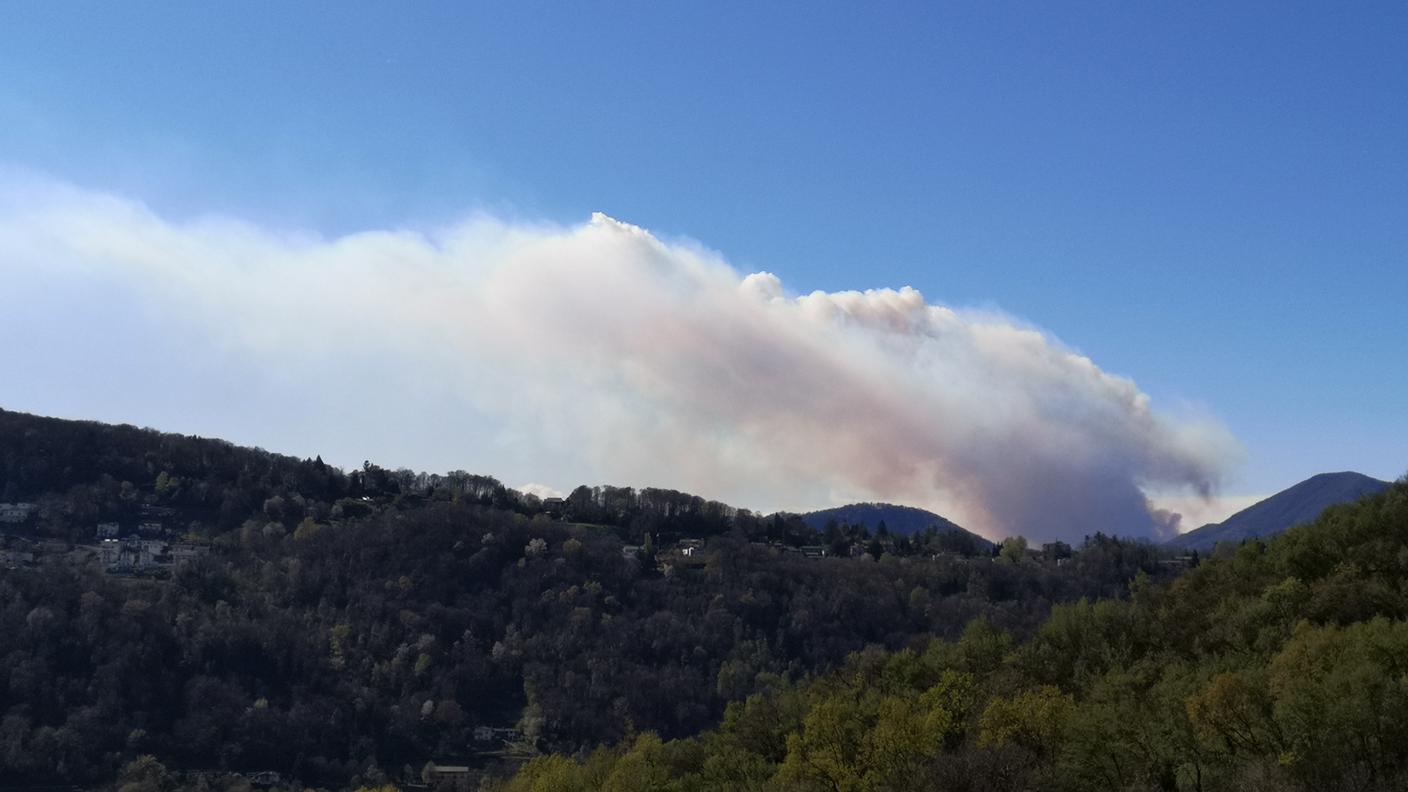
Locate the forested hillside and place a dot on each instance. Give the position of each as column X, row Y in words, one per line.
column 1280, row 666
column 1292, row 506
column 345, row 628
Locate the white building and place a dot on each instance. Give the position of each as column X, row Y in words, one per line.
column 132, row 555
column 16, row 512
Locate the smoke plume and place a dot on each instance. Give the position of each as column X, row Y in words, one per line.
column 602, row 352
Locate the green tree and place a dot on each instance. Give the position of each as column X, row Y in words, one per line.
column 145, row 774
column 1033, row 719
column 1014, row 548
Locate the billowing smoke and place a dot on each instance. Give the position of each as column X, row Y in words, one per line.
column 611, row 355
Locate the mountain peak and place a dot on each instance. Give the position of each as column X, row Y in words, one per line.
column 1297, row 504
column 899, row 520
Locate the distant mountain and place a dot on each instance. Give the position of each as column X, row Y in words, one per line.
column 899, row 520
column 1299, row 504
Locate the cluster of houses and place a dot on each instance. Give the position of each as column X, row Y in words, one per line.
column 143, row 548
column 145, row 551
column 686, row 554
column 689, row 552
column 135, row 554
column 810, row 551
column 15, row 513
column 496, row 734
column 131, row 555
column 806, row 551
column 685, row 548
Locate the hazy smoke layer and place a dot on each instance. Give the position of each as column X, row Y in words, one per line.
column 640, row 361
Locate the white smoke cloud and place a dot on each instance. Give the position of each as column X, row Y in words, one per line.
column 540, row 490
column 606, row 353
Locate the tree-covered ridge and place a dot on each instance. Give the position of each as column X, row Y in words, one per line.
column 80, row 473
column 1292, row 506
column 1280, row 666
column 346, row 626
column 898, row 520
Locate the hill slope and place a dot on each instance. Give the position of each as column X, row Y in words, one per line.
column 343, row 618
column 1269, row 668
column 899, row 520
column 1298, row 504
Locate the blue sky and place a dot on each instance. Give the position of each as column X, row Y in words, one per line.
column 1207, row 198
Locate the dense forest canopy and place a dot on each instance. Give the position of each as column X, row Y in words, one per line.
column 348, row 627
column 1280, row 666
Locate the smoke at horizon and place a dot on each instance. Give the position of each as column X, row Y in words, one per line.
column 603, row 352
